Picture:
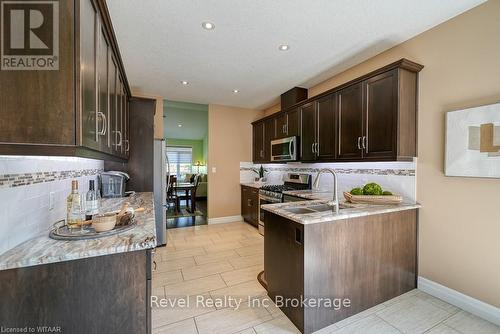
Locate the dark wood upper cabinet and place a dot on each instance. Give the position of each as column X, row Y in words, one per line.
column 287, row 123
column 103, row 112
column 350, row 121
column 308, row 123
column 380, row 116
column 37, row 107
column 293, row 122
column 269, row 135
column 326, row 129
column 281, row 125
column 371, row 118
column 317, row 136
column 70, row 111
column 88, row 72
column 258, row 142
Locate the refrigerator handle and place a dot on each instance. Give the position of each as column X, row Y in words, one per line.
column 168, row 172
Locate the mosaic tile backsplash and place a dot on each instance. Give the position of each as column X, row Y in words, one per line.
column 25, row 187
column 398, row 177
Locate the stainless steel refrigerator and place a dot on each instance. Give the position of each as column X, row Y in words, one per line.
column 160, row 186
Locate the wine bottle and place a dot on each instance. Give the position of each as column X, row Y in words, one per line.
column 74, row 212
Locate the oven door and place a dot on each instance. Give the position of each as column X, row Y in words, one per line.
column 284, row 149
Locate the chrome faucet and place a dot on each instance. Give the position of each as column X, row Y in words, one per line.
column 335, row 201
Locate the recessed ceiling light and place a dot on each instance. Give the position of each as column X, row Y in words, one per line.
column 284, row 47
column 180, row 125
column 236, row 91
column 208, row 25
column 184, row 82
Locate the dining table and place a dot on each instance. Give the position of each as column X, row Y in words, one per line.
column 189, row 190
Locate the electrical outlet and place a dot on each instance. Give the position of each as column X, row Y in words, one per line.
column 51, row 200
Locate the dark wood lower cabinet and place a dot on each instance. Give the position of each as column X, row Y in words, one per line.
column 250, row 205
column 103, row 294
column 365, row 260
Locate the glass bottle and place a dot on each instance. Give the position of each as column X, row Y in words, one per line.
column 74, row 212
column 91, row 201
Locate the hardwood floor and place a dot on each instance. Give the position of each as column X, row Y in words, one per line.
column 204, row 266
column 201, row 205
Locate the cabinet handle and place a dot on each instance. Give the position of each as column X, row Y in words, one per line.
column 249, row 202
column 312, row 148
column 104, row 124
column 127, row 145
column 317, row 148
column 359, row 143
column 364, row 143
column 120, row 142
column 286, row 128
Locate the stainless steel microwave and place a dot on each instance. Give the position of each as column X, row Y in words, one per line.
column 284, row 149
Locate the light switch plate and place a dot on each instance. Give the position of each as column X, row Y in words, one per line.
column 214, row 170
column 51, row 200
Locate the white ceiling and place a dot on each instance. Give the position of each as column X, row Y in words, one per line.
column 162, row 42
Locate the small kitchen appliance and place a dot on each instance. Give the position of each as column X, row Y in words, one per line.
column 112, row 184
column 284, row 149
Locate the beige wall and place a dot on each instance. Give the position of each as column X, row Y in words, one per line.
column 229, row 142
column 459, row 232
column 158, row 113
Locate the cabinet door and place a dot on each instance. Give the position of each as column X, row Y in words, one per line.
column 380, row 116
column 326, row 128
column 350, row 122
column 308, row 132
column 113, row 103
column 244, row 203
column 119, row 117
column 88, row 83
column 269, row 135
column 281, row 125
column 258, row 142
column 293, row 123
column 126, row 131
column 103, row 111
column 254, row 206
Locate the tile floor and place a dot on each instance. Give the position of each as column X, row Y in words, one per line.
column 202, row 267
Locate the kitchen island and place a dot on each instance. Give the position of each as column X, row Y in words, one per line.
column 89, row 286
column 322, row 267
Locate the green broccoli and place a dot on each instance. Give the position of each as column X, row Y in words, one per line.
column 357, row 191
column 372, row 189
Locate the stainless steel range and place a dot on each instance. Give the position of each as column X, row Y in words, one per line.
column 274, row 193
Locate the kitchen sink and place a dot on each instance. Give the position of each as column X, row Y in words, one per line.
column 300, row 211
column 315, row 208
column 321, row 207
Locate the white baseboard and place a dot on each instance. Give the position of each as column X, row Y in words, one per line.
column 222, row 220
column 458, row 299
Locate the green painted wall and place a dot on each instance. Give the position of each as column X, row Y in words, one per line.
column 199, row 153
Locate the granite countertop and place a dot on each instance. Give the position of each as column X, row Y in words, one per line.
column 44, row 250
column 257, row 185
column 310, row 194
column 349, row 211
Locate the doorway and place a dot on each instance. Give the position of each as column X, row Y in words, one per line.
column 186, row 138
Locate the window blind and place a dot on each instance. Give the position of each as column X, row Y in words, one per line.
column 180, row 155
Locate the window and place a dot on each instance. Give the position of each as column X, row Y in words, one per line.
column 180, row 160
